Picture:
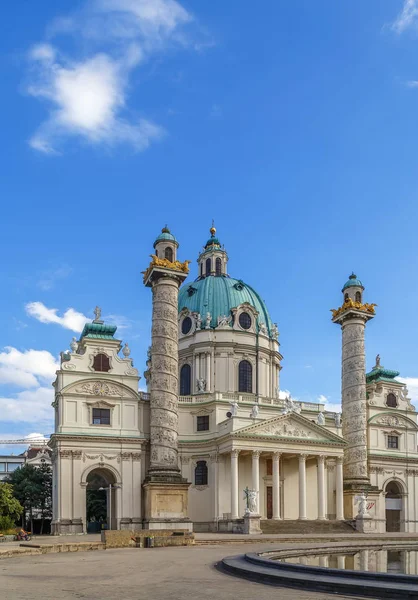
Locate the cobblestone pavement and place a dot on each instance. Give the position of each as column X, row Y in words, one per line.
column 136, row 574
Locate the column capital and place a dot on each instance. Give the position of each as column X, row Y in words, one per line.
column 303, row 457
column 339, row 460
column 256, row 453
column 321, row 459
column 276, row 456
column 235, row 453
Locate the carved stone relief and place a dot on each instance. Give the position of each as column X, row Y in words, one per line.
column 354, row 406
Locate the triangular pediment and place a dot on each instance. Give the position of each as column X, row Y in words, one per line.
column 291, row 426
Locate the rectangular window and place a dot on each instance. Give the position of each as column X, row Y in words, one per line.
column 203, row 423
column 101, row 416
column 13, row 467
column 269, row 467
column 393, row 441
column 2, row 467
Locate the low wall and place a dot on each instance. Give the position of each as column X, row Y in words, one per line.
column 7, row 538
column 123, row 538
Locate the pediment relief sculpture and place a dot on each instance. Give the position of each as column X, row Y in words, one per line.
column 394, row 421
column 100, row 388
column 290, row 426
column 287, row 429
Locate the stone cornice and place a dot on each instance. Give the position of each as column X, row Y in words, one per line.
column 407, row 459
column 65, row 437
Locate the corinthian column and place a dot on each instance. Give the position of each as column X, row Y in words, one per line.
column 302, row 486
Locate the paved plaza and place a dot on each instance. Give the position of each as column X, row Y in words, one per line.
column 130, row 574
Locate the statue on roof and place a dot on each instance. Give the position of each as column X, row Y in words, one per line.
column 97, row 314
column 377, row 366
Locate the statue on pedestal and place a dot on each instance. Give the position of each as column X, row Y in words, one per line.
column 254, row 411
column 361, row 500
column 321, row 419
column 201, row 385
column 251, row 499
column 234, row 408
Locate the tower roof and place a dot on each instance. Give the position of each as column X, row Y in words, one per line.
column 99, row 331
column 213, row 242
column 166, row 235
column 353, row 281
column 379, row 373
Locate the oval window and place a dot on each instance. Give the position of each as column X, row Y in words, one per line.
column 186, row 325
column 245, row 320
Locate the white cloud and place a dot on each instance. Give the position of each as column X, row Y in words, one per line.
column 30, row 364
column 12, row 376
column 42, row 52
column 88, row 94
column 120, row 321
column 29, row 406
column 412, row 385
column 71, row 319
column 407, row 17
column 329, row 406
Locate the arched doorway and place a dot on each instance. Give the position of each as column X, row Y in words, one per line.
column 100, row 500
column 393, row 505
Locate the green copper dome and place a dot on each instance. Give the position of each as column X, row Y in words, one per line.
column 353, row 282
column 165, row 235
column 219, row 295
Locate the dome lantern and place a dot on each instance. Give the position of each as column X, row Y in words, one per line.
column 166, row 245
column 213, row 259
column 353, row 289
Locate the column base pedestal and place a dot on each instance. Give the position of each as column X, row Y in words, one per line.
column 166, row 505
column 67, row 527
column 252, row 524
column 365, row 525
column 350, row 493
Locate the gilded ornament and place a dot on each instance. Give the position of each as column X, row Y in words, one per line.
column 166, row 264
column 349, row 303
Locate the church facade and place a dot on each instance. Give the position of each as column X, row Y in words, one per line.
column 234, row 430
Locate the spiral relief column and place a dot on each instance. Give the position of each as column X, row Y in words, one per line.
column 353, row 316
column 164, row 377
column 166, row 492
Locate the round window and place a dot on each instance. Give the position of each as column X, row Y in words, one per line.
column 245, row 320
column 186, row 325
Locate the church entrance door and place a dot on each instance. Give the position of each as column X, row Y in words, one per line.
column 269, row 496
column 393, row 505
column 100, row 501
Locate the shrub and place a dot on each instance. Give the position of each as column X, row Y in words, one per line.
column 6, row 524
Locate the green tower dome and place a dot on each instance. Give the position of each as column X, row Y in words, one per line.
column 166, row 235
column 219, row 295
column 353, row 281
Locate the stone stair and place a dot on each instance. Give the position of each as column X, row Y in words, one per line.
column 271, row 526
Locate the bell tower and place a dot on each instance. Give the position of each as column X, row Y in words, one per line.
column 352, row 316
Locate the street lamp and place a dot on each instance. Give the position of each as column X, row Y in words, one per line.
column 109, row 489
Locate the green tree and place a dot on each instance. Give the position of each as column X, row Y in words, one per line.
column 10, row 507
column 33, row 488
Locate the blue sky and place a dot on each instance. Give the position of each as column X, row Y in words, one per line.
column 292, row 124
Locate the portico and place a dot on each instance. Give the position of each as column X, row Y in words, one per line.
column 273, row 477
